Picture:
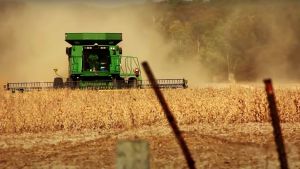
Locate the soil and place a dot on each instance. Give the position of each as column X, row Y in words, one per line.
column 245, row 145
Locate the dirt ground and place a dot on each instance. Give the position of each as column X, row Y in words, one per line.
column 247, row 145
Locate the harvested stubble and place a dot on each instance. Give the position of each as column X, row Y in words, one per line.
column 54, row 110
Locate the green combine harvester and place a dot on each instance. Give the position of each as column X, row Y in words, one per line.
column 96, row 62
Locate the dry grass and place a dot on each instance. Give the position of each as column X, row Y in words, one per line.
column 82, row 109
column 87, row 125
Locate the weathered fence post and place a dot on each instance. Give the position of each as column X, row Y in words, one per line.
column 132, row 155
column 276, row 124
column 169, row 115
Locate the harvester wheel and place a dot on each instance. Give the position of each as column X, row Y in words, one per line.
column 71, row 84
column 58, row 83
column 122, row 83
column 118, row 83
column 132, row 83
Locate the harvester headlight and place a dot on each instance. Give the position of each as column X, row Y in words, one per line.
column 137, row 72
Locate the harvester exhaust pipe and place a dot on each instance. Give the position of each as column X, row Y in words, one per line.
column 170, row 117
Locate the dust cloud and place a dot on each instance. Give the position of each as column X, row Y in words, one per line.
column 276, row 57
column 32, row 37
column 274, row 40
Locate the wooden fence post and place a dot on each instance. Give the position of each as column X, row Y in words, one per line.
column 276, row 124
column 132, row 155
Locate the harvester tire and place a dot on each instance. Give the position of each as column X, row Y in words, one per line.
column 122, row 84
column 132, row 83
column 118, row 83
column 68, row 83
column 58, row 83
column 71, row 84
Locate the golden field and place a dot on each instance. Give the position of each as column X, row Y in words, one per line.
column 224, row 126
column 55, row 110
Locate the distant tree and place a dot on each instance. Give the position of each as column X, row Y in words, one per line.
column 213, row 52
column 227, row 39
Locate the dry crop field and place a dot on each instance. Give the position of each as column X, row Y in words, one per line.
column 225, row 127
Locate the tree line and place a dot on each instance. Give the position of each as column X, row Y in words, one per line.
column 244, row 40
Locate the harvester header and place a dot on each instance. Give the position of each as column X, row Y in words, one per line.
column 93, row 38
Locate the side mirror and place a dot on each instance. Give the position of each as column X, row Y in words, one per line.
column 68, row 51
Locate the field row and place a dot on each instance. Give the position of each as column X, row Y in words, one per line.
column 83, row 109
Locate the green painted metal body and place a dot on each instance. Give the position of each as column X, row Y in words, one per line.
column 96, row 56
